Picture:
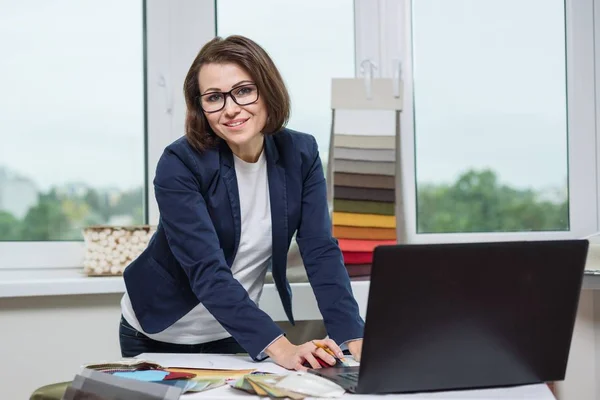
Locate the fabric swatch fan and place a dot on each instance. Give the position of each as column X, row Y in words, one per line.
column 364, row 180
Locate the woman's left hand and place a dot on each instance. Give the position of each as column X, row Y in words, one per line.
column 355, row 348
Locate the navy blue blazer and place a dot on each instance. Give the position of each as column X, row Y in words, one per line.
column 189, row 258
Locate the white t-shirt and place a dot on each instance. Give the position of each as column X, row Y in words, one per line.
column 249, row 267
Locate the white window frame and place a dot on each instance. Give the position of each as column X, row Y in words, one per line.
column 176, row 29
column 391, row 35
column 596, row 51
column 174, row 32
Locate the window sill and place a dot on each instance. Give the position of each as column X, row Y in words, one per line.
column 55, row 282
column 72, row 281
column 59, row 282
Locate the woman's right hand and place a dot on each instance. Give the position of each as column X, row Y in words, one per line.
column 290, row 356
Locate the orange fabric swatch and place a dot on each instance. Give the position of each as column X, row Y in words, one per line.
column 362, row 245
column 357, row 257
column 353, row 232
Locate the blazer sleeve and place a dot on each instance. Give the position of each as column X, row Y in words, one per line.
column 323, row 259
column 193, row 240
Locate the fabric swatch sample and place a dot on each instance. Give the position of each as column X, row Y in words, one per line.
column 365, row 167
column 178, row 375
column 364, row 220
column 353, row 193
column 364, row 142
column 353, row 257
column 370, row 122
column 208, row 374
column 347, row 153
column 363, row 206
column 146, row 376
column 364, row 180
column 356, row 232
column 358, row 269
column 362, row 244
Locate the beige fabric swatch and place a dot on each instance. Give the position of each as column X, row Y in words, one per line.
column 364, row 142
column 348, row 153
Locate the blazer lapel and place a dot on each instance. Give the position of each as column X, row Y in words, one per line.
column 279, row 222
column 229, row 178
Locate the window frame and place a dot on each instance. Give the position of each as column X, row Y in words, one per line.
column 174, row 32
column 583, row 111
column 41, row 255
column 383, row 35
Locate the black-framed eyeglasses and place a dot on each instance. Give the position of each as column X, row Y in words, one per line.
column 241, row 95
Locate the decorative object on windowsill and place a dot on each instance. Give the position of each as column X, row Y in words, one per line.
column 109, row 249
column 364, row 184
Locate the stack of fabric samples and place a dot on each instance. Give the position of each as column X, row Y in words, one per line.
column 295, row 386
column 188, row 379
column 363, row 197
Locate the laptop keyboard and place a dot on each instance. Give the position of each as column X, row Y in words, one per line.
column 349, row 376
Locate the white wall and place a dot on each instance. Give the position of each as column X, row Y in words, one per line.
column 580, row 382
column 45, row 340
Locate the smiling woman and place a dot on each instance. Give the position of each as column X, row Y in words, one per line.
column 232, row 193
column 241, row 122
column 237, row 77
column 240, row 125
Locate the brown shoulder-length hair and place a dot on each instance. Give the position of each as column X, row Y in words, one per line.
column 256, row 62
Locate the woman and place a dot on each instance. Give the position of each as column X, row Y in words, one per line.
column 231, row 195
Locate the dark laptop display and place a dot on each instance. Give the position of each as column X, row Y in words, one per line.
column 471, row 315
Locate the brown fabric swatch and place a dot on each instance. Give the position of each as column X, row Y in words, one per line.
column 364, row 180
column 354, row 193
column 359, row 269
column 363, row 206
column 353, row 232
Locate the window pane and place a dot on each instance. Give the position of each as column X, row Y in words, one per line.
column 490, row 115
column 71, row 119
column 310, row 41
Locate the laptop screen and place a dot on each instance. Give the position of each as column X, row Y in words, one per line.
column 449, row 316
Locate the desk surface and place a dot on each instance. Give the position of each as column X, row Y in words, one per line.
column 532, row 392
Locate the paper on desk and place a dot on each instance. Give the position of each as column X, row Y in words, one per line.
column 310, row 385
column 211, row 361
column 351, row 362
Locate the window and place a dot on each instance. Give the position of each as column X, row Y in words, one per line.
column 73, row 79
column 490, row 109
column 310, row 41
column 498, row 130
column 72, row 119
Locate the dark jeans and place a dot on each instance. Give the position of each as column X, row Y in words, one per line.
column 134, row 343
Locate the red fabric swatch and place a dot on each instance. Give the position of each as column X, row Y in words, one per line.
column 357, row 257
column 362, row 245
column 178, row 375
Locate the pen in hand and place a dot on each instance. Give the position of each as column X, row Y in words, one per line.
column 328, row 351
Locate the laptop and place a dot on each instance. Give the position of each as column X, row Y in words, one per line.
column 466, row 316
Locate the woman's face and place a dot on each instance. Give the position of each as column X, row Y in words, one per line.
column 239, row 125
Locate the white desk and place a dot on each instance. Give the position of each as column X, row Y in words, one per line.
column 532, row 392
